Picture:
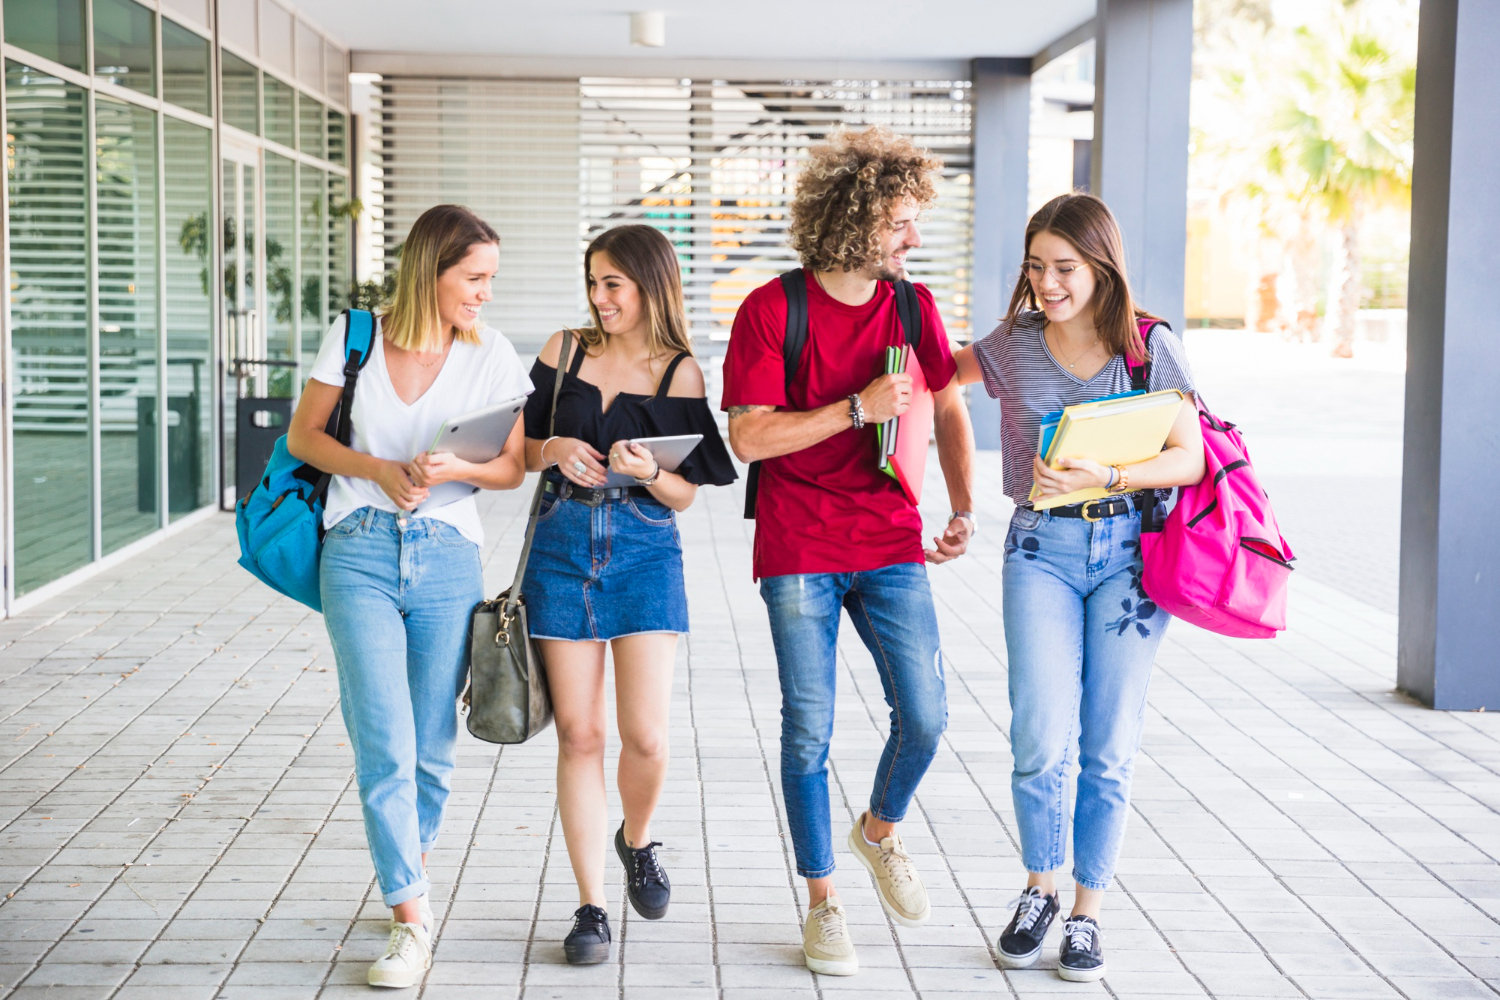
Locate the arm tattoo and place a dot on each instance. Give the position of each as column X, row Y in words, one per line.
column 740, row 411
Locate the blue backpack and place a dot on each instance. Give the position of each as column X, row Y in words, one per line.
column 281, row 522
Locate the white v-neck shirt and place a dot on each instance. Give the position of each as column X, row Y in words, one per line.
column 472, row 377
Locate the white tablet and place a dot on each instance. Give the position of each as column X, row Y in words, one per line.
column 474, row 437
column 668, row 452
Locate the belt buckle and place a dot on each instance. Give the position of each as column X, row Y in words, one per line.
column 1083, row 512
column 588, row 497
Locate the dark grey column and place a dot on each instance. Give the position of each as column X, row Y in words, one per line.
column 1449, row 638
column 1143, row 69
column 1002, row 137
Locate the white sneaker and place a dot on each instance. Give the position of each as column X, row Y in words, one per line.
column 407, row 955
column 425, row 909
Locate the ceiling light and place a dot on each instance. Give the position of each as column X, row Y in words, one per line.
column 648, row 28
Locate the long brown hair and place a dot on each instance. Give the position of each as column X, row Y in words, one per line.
column 439, row 239
column 646, row 257
column 1088, row 224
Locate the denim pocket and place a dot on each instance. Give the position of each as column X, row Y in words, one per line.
column 348, row 524
column 1026, row 519
column 655, row 522
column 549, row 506
column 446, row 534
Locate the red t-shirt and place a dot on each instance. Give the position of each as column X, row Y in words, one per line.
column 829, row 508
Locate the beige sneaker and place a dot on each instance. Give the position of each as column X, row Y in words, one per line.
column 408, row 954
column 826, row 942
column 425, row 908
column 901, row 891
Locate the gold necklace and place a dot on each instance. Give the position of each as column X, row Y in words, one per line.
column 1079, row 358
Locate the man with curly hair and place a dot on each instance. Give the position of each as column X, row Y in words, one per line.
column 832, row 531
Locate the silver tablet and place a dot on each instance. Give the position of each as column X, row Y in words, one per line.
column 668, row 452
column 474, row 437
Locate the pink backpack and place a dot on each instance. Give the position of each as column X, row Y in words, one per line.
column 1218, row 559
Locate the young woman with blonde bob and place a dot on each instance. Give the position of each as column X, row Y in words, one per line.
column 606, row 561
column 1080, row 632
column 398, row 588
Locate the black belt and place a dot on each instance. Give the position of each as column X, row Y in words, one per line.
column 565, row 490
column 1098, row 510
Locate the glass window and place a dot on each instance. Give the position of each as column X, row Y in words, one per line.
column 125, row 138
column 185, row 68
column 125, row 44
column 47, row 152
column 241, row 88
column 340, row 273
column 310, row 126
column 189, row 169
column 338, row 138
column 281, row 278
column 53, row 29
column 314, row 198
column 279, row 102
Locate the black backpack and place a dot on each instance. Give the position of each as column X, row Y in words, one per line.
column 908, row 310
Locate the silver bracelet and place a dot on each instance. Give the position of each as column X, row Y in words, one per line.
column 542, row 452
column 651, row 479
column 857, row 411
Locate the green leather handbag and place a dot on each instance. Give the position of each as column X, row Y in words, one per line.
column 507, row 694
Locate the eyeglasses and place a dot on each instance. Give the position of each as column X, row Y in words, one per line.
column 1037, row 271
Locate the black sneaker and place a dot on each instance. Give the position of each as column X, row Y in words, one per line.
column 1082, row 957
column 1021, row 943
column 588, row 942
column 648, row 886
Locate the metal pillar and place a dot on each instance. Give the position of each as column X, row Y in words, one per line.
column 1144, row 66
column 1449, row 635
column 1002, row 133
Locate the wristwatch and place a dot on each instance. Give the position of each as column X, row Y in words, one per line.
column 967, row 515
column 856, row 411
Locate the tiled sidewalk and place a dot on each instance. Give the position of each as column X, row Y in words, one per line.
column 178, row 819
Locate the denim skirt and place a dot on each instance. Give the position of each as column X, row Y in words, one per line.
column 605, row 571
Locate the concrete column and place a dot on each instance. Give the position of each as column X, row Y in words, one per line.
column 1143, row 69
column 1449, row 638
column 1002, row 135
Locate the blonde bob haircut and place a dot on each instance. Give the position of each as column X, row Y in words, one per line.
column 847, row 191
column 645, row 256
column 439, row 239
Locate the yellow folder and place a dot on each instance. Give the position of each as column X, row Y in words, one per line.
column 1111, row 432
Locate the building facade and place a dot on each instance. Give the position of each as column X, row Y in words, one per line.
column 176, row 214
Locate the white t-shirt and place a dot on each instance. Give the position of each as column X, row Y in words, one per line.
column 472, row 377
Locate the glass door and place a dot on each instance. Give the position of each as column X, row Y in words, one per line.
column 243, row 333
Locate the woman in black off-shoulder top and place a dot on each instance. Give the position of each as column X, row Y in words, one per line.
column 606, row 562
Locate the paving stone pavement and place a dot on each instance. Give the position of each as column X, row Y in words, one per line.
column 178, row 819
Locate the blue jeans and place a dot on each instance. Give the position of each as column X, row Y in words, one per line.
column 1081, row 637
column 397, row 596
column 892, row 611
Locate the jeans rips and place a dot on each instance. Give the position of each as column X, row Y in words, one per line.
column 397, row 595
column 892, row 611
column 1081, row 637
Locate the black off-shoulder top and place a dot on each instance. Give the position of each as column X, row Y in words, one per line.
column 581, row 414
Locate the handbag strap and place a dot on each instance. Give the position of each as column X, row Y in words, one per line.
column 513, row 596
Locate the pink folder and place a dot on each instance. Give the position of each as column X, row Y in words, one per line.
column 913, row 432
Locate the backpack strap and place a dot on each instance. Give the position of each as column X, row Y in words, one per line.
column 666, row 378
column 359, row 344
column 1140, row 375
column 793, row 343
column 908, row 311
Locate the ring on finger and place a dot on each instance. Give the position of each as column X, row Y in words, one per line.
column 580, row 468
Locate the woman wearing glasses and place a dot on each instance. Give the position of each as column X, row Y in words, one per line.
column 606, row 561
column 1080, row 632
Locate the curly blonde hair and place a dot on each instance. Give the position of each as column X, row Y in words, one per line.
column 846, row 191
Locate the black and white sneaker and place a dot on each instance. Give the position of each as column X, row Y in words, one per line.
column 647, row 884
column 1082, row 957
column 1021, row 943
column 588, row 942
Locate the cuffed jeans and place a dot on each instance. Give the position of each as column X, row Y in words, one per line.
column 892, row 611
column 1081, row 635
column 396, row 598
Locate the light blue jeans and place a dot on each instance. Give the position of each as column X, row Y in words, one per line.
column 892, row 611
column 1081, row 635
column 396, row 598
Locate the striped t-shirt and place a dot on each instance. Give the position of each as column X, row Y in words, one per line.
column 1030, row 383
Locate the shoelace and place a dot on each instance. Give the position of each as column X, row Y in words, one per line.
column 589, row 918
column 898, row 863
column 404, row 943
column 831, row 927
column 1035, row 903
column 1080, row 935
column 648, row 868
